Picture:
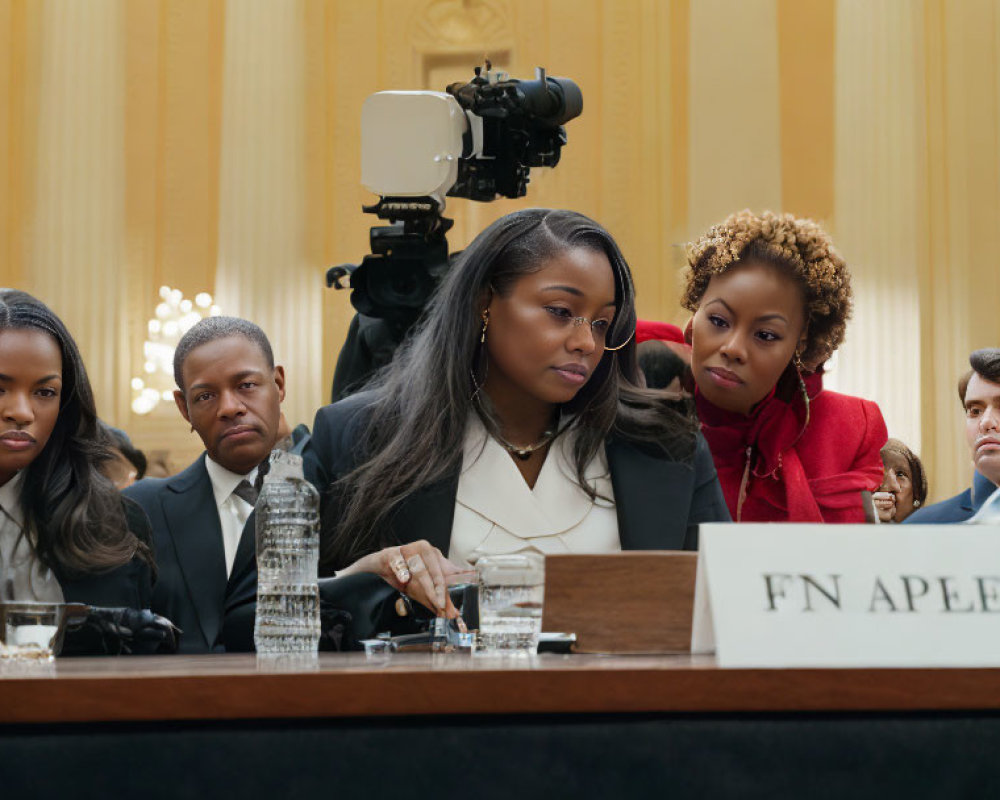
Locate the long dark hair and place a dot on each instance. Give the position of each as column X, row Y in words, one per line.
column 73, row 515
column 415, row 432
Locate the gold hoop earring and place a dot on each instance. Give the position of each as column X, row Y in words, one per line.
column 486, row 323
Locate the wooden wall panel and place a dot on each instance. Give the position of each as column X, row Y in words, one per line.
column 959, row 279
column 807, row 77
column 735, row 147
column 173, row 113
column 9, row 100
column 264, row 271
column 877, row 225
column 352, row 49
column 74, row 248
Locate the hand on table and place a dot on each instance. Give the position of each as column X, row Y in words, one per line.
column 417, row 569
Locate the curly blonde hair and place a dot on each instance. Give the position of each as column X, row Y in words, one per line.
column 798, row 245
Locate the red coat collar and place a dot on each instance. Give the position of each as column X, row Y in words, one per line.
column 762, row 444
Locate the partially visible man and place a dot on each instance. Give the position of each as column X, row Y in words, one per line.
column 230, row 391
column 982, row 432
column 128, row 463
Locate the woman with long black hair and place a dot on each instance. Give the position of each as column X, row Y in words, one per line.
column 513, row 419
column 66, row 534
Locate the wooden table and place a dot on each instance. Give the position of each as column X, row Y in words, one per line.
column 348, row 685
column 577, row 724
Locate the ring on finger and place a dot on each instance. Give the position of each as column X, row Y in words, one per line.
column 416, row 564
column 398, row 565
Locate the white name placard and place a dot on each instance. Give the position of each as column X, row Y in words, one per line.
column 791, row 595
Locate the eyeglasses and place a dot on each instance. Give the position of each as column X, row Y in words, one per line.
column 598, row 328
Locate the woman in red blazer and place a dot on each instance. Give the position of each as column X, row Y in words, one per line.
column 771, row 298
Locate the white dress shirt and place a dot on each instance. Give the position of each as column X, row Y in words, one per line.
column 22, row 576
column 233, row 510
column 496, row 512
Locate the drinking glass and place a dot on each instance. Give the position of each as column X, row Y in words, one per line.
column 511, row 593
column 30, row 630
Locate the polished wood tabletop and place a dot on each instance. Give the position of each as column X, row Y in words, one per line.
column 226, row 687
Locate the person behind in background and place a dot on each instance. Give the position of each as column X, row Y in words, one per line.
column 904, row 483
column 512, row 420
column 158, row 465
column 128, row 464
column 661, row 366
column 66, row 535
column 981, row 401
column 771, row 298
column 230, row 391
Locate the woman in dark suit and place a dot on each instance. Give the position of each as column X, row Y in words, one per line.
column 513, row 419
column 65, row 532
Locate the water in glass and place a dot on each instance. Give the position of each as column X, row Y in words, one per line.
column 511, row 594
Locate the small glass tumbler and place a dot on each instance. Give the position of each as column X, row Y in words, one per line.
column 511, row 593
column 30, row 630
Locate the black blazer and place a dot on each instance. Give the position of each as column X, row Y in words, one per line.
column 191, row 585
column 660, row 502
column 129, row 585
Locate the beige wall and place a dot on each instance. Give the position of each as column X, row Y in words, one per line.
column 213, row 146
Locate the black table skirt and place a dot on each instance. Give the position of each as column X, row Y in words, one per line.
column 940, row 755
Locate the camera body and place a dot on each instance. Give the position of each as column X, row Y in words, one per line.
column 477, row 140
column 519, row 125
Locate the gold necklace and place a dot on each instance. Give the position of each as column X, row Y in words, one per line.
column 523, row 453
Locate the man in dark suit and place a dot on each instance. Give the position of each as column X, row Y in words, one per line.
column 230, row 391
column 958, row 508
column 981, row 399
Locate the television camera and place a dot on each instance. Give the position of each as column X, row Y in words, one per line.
column 477, row 140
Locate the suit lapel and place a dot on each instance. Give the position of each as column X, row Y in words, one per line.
column 638, row 477
column 982, row 488
column 635, row 476
column 193, row 520
column 428, row 514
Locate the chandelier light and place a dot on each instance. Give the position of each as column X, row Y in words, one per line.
column 173, row 317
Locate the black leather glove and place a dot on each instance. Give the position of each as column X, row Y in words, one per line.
column 335, row 629
column 119, row 631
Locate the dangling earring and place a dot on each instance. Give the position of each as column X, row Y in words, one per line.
column 486, row 324
column 799, row 368
column 916, row 504
column 481, row 353
column 475, row 381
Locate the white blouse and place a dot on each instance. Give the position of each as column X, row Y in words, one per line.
column 496, row 512
column 22, row 576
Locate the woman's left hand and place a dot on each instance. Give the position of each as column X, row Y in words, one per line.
column 417, row 569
